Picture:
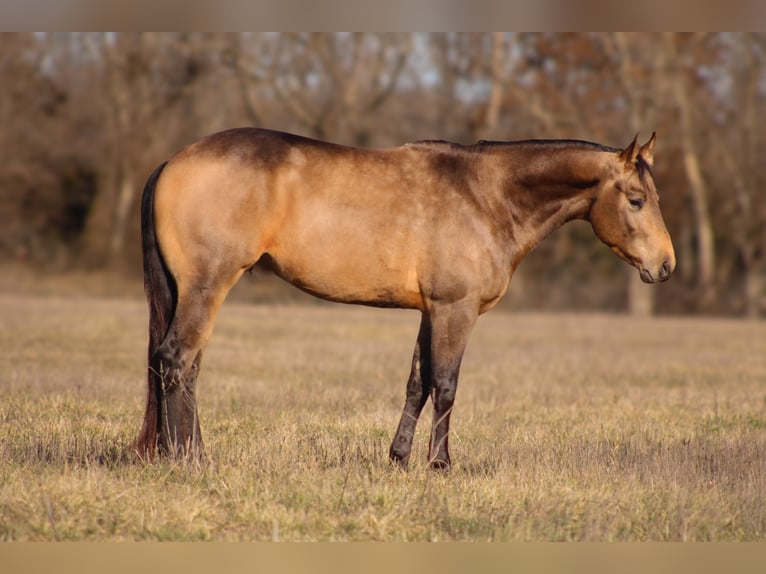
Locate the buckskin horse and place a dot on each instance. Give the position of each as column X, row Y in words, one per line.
column 431, row 225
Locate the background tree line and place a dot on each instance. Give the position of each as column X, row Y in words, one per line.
column 86, row 117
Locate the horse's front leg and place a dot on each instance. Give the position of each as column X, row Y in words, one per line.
column 451, row 327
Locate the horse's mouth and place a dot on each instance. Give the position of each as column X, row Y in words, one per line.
column 646, row 275
column 663, row 273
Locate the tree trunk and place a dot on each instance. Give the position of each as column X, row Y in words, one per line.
column 125, row 198
column 640, row 296
column 703, row 225
column 495, row 100
column 753, row 292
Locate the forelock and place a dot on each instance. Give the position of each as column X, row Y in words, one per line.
column 645, row 176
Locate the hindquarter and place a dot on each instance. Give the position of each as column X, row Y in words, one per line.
column 204, row 214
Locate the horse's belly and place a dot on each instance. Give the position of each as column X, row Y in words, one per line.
column 349, row 276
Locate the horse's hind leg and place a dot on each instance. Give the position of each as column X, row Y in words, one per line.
column 418, row 388
column 177, row 361
column 179, row 431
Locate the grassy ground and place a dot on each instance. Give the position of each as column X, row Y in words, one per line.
column 567, row 427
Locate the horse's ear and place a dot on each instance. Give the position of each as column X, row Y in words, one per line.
column 630, row 153
column 647, row 150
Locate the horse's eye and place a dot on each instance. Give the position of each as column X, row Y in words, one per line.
column 636, row 202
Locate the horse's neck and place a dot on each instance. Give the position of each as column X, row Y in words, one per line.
column 547, row 188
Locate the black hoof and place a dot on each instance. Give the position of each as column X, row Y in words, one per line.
column 440, row 465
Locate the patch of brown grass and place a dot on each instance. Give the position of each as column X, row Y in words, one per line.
column 567, row 427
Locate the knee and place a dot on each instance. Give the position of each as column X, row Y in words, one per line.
column 444, row 398
column 417, row 392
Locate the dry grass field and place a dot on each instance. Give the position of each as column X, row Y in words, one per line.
column 567, row 427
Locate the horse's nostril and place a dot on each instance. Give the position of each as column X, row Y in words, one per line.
column 665, row 270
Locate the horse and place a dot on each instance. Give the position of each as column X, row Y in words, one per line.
column 435, row 226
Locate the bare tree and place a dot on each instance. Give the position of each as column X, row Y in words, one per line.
column 751, row 223
column 41, row 181
column 736, row 152
column 680, row 71
column 144, row 78
column 330, row 84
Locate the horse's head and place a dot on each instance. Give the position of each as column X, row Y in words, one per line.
column 626, row 214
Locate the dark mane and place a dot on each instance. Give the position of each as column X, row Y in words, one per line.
column 549, row 143
column 644, row 169
column 536, row 143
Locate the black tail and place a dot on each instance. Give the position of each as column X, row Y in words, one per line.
column 161, row 294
